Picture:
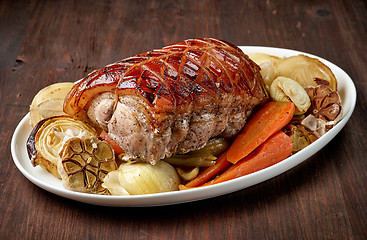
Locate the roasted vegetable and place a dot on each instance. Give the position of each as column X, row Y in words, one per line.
column 315, row 125
column 204, row 157
column 46, row 138
column 321, row 116
column 285, row 90
column 264, row 123
column 326, row 103
column 142, row 178
column 188, row 174
column 300, row 136
column 269, row 66
column 84, row 163
column 220, row 165
column 215, row 147
column 260, row 58
column 49, row 101
column 197, row 160
column 306, row 130
column 307, row 71
column 275, row 149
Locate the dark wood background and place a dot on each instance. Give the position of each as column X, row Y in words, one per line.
column 43, row 42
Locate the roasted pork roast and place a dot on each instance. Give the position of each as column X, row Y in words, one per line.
column 171, row 100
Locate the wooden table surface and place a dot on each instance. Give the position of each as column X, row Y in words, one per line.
column 44, row 42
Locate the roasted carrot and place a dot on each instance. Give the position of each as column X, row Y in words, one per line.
column 104, row 136
column 267, row 121
column 275, row 149
column 220, row 165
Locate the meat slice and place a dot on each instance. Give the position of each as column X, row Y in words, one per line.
column 170, row 100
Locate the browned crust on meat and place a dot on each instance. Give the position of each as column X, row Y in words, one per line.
column 183, row 77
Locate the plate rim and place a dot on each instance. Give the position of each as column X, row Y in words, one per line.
column 178, row 197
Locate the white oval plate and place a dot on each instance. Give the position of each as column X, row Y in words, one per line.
column 48, row 182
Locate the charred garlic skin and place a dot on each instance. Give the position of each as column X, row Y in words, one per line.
column 84, row 163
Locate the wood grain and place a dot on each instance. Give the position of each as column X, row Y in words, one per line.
column 43, row 42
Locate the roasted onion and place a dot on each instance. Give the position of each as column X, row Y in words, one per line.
column 142, row 178
column 49, row 101
column 307, row 71
column 285, row 90
column 48, row 136
column 269, row 66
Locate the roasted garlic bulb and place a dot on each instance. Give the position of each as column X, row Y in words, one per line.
column 326, row 103
column 322, row 115
column 48, row 136
column 84, row 163
column 285, row 90
column 49, row 101
column 142, row 178
column 307, row 71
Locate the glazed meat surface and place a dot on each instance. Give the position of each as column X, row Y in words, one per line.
column 170, row 100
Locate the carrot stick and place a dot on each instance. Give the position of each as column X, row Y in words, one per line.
column 267, row 121
column 277, row 148
column 220, row 165
column 104, row 136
